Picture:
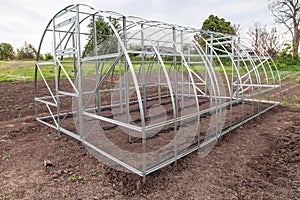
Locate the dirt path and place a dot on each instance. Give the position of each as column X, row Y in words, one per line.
column 260, row 160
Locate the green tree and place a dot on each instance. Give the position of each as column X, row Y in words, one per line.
column 216, row 24
column 26, row 52
column 6, row 51
column 104, row 36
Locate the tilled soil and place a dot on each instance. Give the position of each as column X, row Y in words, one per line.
column 260, row 160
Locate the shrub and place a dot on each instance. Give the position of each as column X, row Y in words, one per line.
column 48, row 56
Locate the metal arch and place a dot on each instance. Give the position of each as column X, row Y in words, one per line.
column 214, row 52
column 237, row 70
column 39, row 51
column 209, row 68
column 245, row 65
column 243, row 60
column 137, row 89
column 190, row 75
column 218, row 101
column 210, row 71
column 232, row 60
column 46, row 29
column 269, row 57
column 254, row 67
column 164, row 68
column 260, row 64
column 131, row 69
column 166, row 74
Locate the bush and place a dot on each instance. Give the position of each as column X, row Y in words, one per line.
column 285, row 61
column 48, row 56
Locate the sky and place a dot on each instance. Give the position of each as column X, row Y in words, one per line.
column 22, row 21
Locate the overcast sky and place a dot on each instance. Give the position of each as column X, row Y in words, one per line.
column 25, row 20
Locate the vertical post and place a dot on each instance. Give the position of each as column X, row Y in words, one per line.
column 234, row 55
column 79, row 76
column 98, row 100
column 239, row 66
column 56, row 79
column 206, row 73
column 189, row 65
column 159, row 79
column 210, row 69
column 182, row 75
column 35, row 89
column 74, row 57
column 144, row 105
column 232, row 81
column 75, row 71
column 126, row 79
column 143, row 69
column 175, row 93
column 120, row 81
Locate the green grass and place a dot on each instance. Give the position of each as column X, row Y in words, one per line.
column 16, row 70
column 25, row 70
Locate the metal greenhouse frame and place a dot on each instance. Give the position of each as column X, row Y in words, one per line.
column 141, row 94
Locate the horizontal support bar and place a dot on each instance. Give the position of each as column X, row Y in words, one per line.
column 68, row 94
column 95, row 58
column 72, row 32
column 258, row 85
column 45, row 102
column 112, row 121
column 66, row 22
column 73, row 135
column 263, row 101
column 45, row 63
column 118, row 161
column 248, row 119
column 63, row 52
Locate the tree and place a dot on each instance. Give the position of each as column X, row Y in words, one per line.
column 220, row 25
column 287, row 12
column 236, row 29
column 6, row 51
column 104, row 34
column 26, row 52
column 216, row 24
column 264, row 40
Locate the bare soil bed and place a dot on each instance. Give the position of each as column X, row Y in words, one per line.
column 260, row 160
